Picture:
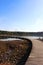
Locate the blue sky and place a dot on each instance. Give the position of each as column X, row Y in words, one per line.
column 21, row 15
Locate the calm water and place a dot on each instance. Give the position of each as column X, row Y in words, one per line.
column 9, row 39
column 29, row 37
column 32, row 37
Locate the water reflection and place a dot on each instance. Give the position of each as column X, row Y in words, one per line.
column 9, row 39
column 32, row 37
column 28, row 37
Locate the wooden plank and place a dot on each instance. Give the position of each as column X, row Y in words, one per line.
column 36, row 56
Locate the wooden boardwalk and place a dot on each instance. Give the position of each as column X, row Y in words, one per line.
column 36, row 56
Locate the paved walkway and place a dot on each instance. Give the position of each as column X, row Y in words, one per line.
column 36, row 56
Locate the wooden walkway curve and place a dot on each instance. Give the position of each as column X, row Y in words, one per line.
column 36, row 56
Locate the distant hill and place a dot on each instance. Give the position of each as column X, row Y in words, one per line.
column 21, row 33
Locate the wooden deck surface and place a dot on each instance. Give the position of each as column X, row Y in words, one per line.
column 36, row 56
